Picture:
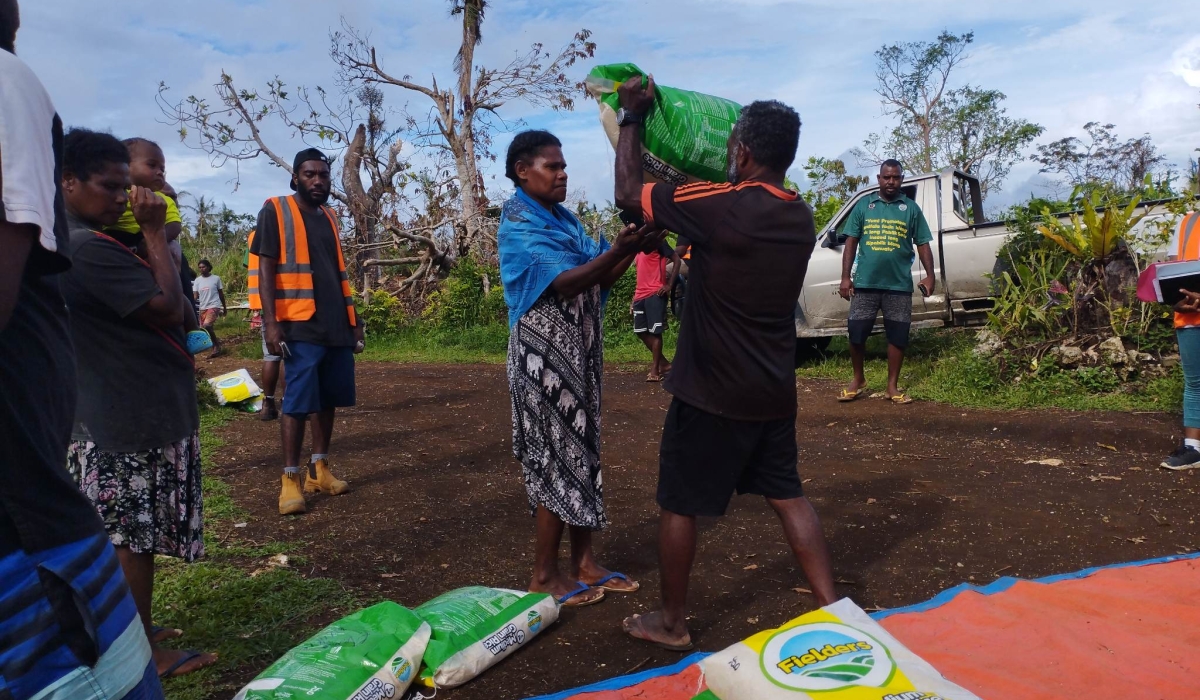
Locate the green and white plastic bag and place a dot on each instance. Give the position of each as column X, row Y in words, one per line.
column 373, row 654
column 475, row 628
column 685, row 135
column 834, row 653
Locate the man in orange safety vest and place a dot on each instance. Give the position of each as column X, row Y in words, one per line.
column 297, row 276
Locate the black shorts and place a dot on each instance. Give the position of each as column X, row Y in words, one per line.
column 704, row 458
column 865, row 306
column 650, row 315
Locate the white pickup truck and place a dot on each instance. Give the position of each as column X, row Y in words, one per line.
column 964, row 252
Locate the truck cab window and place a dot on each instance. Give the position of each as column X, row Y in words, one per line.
column 962, row 199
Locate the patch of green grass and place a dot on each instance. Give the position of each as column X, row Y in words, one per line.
column 423, row 344
column 940, row 366
column 248, row 618
column 487, row 345
column 218, row 504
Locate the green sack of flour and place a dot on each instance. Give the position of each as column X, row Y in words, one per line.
column 474, row 628
column 834, row 653
column 373, row 654
column 685, row 135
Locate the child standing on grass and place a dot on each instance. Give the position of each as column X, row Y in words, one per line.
column 210, row 299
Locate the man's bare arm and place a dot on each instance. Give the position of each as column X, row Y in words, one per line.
column 638, row 99
column 925, row 252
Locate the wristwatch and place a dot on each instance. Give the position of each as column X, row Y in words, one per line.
column 624, row 117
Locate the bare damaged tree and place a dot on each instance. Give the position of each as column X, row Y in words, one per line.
column 938, row 126
column 462, row 117
column 1103, row 158
column 231, row 129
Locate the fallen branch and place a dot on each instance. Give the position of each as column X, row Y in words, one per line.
column 376, row 262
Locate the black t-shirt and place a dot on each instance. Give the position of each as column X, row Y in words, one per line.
column 750, row 248
column 137, row 384
column 330, row 325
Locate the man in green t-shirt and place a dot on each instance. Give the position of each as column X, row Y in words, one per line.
column 877, row 263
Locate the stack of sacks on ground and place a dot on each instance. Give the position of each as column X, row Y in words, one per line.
column 379, row 652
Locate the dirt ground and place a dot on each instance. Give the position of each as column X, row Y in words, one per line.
column 914, row 499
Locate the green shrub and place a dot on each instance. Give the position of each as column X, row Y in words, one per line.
column 1097, row 380
column 460, row 302
column 382, row 313
column 493, row 307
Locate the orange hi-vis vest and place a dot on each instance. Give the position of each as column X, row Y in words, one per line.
column 1188, row 249
column 295, row 299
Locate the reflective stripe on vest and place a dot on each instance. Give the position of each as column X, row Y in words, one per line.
column 295, row 299
column 255, row 301
column 1188, row 249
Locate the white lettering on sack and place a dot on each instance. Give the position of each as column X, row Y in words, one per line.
column 375, row 690
column 508, row 636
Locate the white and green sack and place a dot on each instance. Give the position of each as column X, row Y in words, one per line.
column 373, row 654
column 834, row 653
column 685, row 135
column 475, row 628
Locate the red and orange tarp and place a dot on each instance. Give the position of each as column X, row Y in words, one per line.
column 1109, row 633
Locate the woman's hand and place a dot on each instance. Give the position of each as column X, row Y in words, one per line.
column 149, row 210
column 630, row 240
column 1189, row 304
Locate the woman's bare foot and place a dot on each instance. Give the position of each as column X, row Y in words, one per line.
column 649, row 628
column 561, row 586
column 172, row 663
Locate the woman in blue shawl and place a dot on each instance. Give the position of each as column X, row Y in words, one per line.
column 556, row 278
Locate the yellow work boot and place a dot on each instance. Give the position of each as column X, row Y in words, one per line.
column 291, row 498
column 324, row 481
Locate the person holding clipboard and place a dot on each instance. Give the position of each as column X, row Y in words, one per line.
column 1185, row 246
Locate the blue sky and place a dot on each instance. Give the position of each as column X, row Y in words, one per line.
column 1061, row 63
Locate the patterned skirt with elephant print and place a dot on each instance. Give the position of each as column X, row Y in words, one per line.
column 555, row 356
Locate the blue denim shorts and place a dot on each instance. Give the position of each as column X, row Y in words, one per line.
column 318, row 378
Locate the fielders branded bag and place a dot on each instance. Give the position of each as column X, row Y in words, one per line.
column 835, row 653
column 475, row 628
column 685, row 135
column 373, row 654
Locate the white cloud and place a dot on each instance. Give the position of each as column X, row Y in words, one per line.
column 1061, row 64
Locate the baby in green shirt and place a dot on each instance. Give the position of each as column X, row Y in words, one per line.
column 148, row 168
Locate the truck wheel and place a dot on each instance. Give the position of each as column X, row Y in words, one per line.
column 810, row 349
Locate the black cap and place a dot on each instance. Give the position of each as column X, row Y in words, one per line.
column 303, row 157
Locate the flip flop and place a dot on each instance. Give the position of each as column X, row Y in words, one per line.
column 652, row 378
column 847, row 396
column 161, row 634
column 900, row 399
column 188, row 656
column 636, row 626
column 616, row 575
column 583, row 588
